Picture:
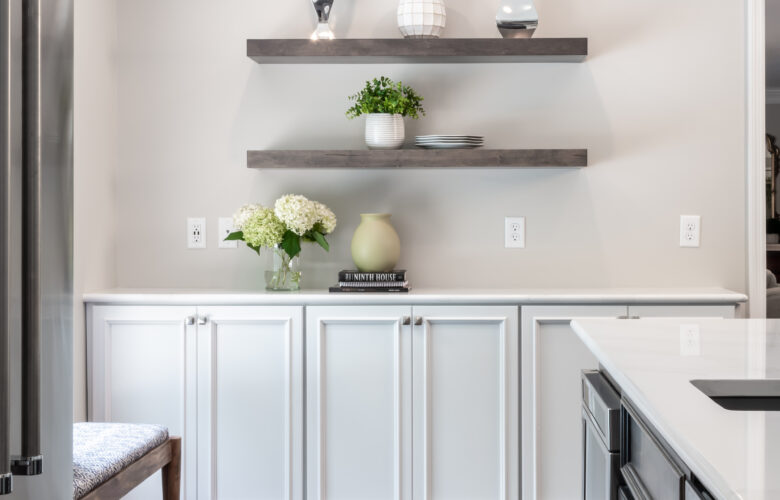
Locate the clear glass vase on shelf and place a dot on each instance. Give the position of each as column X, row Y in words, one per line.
column 285, row 274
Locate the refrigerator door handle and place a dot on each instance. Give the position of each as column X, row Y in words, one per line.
column 30, row 463
column 6, row 479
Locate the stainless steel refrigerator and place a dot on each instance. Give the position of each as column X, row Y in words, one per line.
column 36, row 214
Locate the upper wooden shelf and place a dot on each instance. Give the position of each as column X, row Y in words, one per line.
column 433, row 50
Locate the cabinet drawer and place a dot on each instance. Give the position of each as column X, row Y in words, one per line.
column 649, row 470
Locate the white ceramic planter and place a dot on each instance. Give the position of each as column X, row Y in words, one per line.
column 384, row 131
column 421, row 18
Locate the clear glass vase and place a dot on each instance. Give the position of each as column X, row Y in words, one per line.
column 285, row 274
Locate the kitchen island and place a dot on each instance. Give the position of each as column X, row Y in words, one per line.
column 651, row 362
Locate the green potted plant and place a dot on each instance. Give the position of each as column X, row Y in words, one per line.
column 385, row 103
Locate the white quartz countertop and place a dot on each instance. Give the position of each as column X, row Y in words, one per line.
column 735, row 454
column 422, row 296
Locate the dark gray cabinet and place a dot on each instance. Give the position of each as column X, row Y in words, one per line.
column 650, row 469
column 625, row 458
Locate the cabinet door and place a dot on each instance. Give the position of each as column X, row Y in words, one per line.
column 358, row 410
column 466, row 403
column 552, row 359
column 250, row 403
column 681, row 311
column 142, row 369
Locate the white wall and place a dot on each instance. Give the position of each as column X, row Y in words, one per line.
column 659, row 104
column 95, row 155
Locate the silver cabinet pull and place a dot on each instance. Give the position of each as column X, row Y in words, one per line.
column 202, row 320
column 418, row 321
column 406, row 321
column 189, row 321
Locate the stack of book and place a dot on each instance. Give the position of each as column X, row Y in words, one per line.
column 359, row 282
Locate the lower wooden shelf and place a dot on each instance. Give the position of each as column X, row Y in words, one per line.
column 420, row 158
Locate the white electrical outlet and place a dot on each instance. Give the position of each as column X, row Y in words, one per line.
column 690, row 230
column 514, row 232
column 225, row 228
column 196, row 232
column 690, row 344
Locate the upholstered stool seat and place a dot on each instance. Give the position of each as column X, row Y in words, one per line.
column 104, row 451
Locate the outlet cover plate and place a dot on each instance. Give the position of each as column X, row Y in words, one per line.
column 690, row 344
column 690, row 231
column 225, row 228
column 514, row 232
column 196, row 232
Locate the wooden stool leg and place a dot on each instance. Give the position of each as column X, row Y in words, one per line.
column 171, row 473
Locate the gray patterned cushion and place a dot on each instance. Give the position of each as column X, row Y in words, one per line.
column 100, row 450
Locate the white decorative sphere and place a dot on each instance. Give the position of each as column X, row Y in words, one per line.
column 421, row 18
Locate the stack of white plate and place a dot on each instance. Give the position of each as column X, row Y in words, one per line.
column 449, row 141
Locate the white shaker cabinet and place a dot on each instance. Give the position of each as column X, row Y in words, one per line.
column 314, row 396
column 466, row 402
column 229, row 380
column 143, row 370
column 359, row 395
column 682, row 311
column 250, row 403
column 412, row 402
column 552, row 358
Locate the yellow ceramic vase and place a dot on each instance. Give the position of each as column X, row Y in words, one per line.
column 376, row 246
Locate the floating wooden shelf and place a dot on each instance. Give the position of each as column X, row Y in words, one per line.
column 400, row 50
column 419, row 158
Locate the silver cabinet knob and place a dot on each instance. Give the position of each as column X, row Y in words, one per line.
column 202, row 320
column 418, row 321
column 189, row 320
column 406, row 321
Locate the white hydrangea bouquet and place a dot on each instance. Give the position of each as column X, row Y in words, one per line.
column 293, row 219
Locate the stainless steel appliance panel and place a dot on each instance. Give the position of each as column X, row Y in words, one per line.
column 56, row 187
column 601, row 437
column 603, row 403
column 601, row 465
column 6, row 480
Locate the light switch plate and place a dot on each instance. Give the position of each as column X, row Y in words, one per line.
column 225, row 228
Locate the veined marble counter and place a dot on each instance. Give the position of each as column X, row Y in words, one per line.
column 736, row 455
column 422, row 296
